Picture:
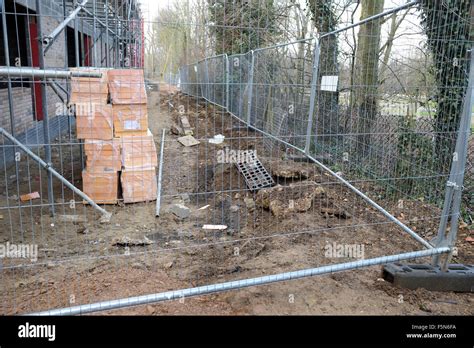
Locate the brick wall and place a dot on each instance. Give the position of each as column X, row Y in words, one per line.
column 52, row 13
column 22, row 106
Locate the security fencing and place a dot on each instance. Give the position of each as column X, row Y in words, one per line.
column 269, row 88
column 380, row 135
column 357, row 158
column 171, row 79
column 395, row 145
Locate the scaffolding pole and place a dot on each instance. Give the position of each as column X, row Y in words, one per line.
column 160, row 173
column 42, row 73
column 56, row 89
column 47, row 166
column 107, row 49
column 100, row 22
column 49, row 39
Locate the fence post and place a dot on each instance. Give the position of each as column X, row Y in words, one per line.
column 206, row 78
column 312, row 102
column 197, row 83
column 184, row 79
column 454, row 186
column 179, row 79
column 227, row 81
column 250, row 86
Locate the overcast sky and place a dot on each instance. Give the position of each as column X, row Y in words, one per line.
column 150, row 10
column 150, row 7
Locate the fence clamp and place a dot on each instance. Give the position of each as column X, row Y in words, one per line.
column 454, row 185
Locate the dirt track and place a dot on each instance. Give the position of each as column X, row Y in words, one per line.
column 182, row 255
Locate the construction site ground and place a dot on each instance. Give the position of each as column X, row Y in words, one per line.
column 138, row 253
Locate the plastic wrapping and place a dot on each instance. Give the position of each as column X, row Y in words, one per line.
column 139, row 152
column 127, row 86
column 130, row 119
column 102, row 188
column 89, row 89
column 139, row 185
column 94, row 121
column 103, row 155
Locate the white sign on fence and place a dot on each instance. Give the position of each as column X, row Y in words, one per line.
column 329, row 83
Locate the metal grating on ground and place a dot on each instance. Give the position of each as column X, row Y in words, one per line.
column 255, row 174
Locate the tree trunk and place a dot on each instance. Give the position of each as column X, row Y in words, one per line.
column 327, row 120
column 367, row 58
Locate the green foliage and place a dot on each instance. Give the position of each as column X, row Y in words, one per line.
column 324, row 15
column 447, row 25
column 240, row 26
column 414, row 160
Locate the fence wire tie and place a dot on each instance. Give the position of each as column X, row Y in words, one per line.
column 454, row 185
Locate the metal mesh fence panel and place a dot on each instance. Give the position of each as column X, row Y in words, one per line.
column 239, row 70
column 281, row 89
column 274, row 152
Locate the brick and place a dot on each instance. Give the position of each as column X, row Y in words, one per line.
column 139, row 185
column 131, row 119
column 139, row 152
column 88, row 97
column 103, row 155
column 127, row 86
column 138, row 133
column 94, row 121
column 102, row 188
column 29, row 196
column 89, row 89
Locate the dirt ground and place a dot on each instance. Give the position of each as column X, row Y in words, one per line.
column 80, row 262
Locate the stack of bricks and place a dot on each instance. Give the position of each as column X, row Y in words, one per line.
column 117, row 141
column 94, row 125
column 130, row 118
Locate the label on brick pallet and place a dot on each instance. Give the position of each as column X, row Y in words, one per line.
column 131, row 125
column 130, row 118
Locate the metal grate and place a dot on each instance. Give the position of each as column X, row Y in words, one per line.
column 255, row 174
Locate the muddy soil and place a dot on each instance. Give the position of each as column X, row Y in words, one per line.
column 79, row 262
